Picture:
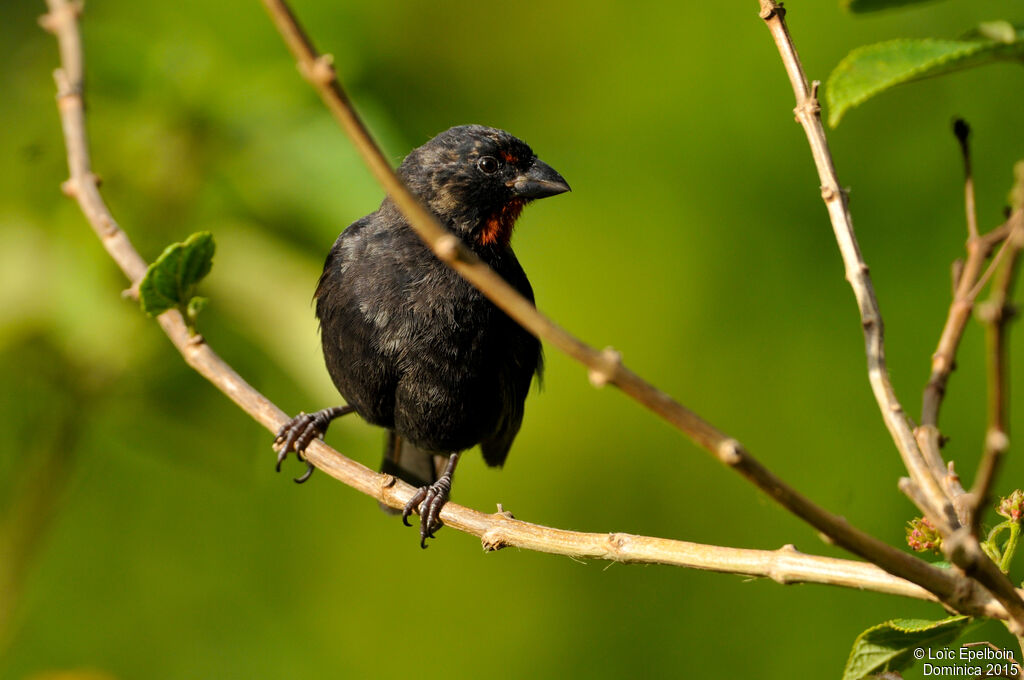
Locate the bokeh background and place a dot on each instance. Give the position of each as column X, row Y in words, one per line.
column 144, row 531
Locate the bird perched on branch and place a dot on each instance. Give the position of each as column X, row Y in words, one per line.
column 410, row 344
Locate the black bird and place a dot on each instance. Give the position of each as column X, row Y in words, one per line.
column 410, row 344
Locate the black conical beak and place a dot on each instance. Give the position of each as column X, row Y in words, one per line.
column 540, row 181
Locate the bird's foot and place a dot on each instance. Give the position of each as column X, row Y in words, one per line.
column 428, row 502
column 297, row 433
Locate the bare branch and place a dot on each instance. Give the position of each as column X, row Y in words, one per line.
column 963, row 132
column 969, row 284
column 938, row 507
column 963, row 551
column 996, row 313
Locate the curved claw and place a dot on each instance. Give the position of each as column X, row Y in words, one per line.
column 307, row 474
column 414, row 504
column 300, row 431
column 428, row 502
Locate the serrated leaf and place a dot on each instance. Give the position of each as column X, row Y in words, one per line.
column 871, row 69
column 891, row 645
column 875, row 5
column 171, row 280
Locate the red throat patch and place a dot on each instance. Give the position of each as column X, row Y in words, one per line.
column 498, row 227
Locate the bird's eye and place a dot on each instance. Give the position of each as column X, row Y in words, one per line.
column 488, row 165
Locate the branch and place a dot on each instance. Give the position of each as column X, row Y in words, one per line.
column 496, row 531
column 967, row 284
column 605, row 367
column 937, row 506
column 996, row 313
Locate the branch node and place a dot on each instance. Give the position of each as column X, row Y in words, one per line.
column 605, row 373
column 447, row 248
column 387, row 480
column 108, row 226
column 779, row 572
column 504, row 513
column 809, row 106
column 730, row 452
column 131, row 293
column 989, row 311
column 48, row 22
column 65, row 88
column 997, row 442
column 321, row 71
column 493, row 539
column 770, row 9
column 617, row 541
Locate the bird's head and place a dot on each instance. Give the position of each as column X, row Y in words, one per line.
column 478, row 179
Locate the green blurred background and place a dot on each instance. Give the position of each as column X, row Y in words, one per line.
column 145, row 534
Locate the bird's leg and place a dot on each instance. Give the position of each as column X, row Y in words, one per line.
column 429, row 500
column 297, row 433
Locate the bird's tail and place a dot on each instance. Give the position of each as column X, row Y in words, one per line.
column 409, row 463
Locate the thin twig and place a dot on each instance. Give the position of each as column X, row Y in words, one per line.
column 968, row 281
column 965, row 552
column 605, row 367
column 962, row 131
column 938, row 507
column 996, row 313
column 498, row 530
column 968, row 286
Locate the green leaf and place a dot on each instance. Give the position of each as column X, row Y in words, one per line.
column 871, row 69
column 171, row 280
column 875, row 5
column 890, row 646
